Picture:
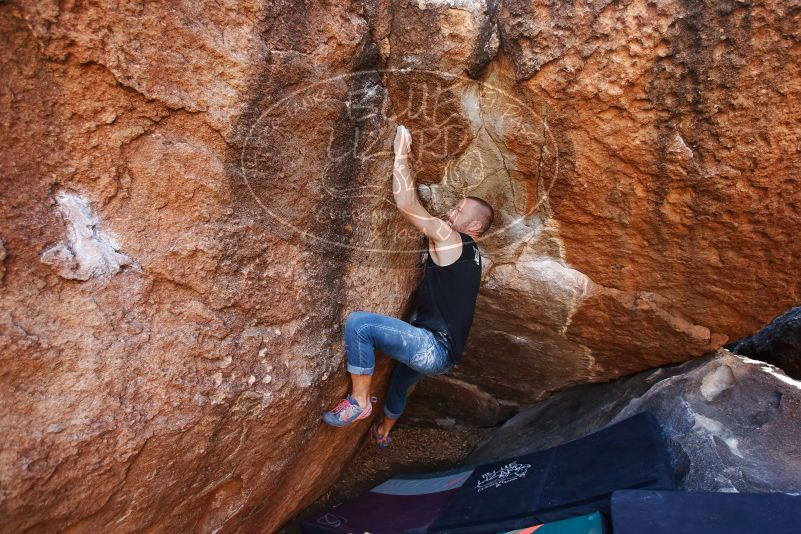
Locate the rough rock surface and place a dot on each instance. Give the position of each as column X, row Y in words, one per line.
column 166, row 351
column 778, row 343
column 671, row 231
column 661, row 153
column 196, row 193
column 731, row 423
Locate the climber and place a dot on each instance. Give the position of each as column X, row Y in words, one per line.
column 433, row 340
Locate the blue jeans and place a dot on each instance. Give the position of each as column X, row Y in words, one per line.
column 418, row 351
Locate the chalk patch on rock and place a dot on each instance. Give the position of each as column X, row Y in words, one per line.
column 568, row 281
column 569, row 286
column 217, row 378
column 714, row 383
column 679, row 148
column 717, row 429
column 87, row 251
column 304, row 379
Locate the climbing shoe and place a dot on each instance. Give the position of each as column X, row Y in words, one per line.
column 380, row 440
column 348, row 411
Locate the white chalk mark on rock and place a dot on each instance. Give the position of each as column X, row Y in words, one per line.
column 87, row 251
column 217, row 378
column 717, row 429
column 714, row 383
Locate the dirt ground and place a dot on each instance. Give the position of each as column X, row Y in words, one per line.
column 413, row 450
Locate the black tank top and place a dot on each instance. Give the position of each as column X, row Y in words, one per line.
column 446, row 298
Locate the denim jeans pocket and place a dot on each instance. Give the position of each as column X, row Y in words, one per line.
column 432, row 359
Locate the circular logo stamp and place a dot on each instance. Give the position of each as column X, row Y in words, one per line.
column 318, row 159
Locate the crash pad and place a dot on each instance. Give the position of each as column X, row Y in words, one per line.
column 401, row 503
column 678, row 512
column 583, row 524
column 573, row 479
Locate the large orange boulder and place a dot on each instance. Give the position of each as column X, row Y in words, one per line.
column 197, row 193
column 657, row 173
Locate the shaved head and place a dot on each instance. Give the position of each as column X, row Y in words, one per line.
column 471, row 215
column 482, row 212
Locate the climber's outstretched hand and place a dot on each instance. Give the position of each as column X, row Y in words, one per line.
column 405, row 193
column 403, row 141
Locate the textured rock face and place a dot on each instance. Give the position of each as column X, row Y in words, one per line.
column 166, row 352
column 189, row 213
column 668, row 225
column 731, row 423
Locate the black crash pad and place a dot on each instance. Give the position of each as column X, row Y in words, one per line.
column 572, row 479
column 678, row 512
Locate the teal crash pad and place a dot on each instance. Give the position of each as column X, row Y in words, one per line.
column 583, row 524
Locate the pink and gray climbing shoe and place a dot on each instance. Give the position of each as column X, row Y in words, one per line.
column 379, row 439
column 348, row 411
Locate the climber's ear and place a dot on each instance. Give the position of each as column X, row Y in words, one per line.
column 474, row 225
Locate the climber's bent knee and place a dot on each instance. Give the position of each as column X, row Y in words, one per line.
column 355, row 319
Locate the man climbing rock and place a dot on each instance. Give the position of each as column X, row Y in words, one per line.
column 433, row 340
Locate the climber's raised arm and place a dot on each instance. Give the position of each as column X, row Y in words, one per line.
column 405, row 193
